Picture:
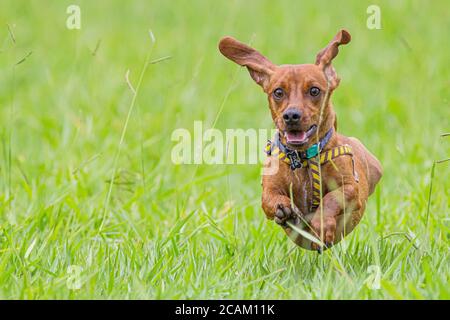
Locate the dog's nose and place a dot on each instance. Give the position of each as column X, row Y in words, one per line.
column 291, row 115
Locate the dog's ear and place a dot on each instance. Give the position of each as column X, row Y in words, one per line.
column 259, row 67
column 327, row 54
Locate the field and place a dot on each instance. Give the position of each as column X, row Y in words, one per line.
column 92, row 207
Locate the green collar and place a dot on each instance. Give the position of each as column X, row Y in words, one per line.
column 314, row 150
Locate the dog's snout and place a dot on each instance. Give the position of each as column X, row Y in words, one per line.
column 291, row 115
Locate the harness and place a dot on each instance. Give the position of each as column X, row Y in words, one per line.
column 312, row 158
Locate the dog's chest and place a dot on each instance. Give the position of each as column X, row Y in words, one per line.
column 302, row 191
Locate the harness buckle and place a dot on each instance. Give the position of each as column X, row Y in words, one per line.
column 312, row 151
column 296, row 162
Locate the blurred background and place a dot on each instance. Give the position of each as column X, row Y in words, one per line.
column 64, row 102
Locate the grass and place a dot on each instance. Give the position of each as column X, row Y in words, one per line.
column 92, row 207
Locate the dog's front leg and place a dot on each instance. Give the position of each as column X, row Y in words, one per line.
column 341, row 200
column 276, row 202
column 277, row 206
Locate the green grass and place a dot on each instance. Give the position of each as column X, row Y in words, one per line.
column 164, row 231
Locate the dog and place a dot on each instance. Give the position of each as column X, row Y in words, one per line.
column 323, row 179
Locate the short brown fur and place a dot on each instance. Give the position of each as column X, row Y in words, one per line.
column 347, row 181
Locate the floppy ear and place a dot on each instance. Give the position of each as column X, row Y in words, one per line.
column 327, row 54
column 259, row 67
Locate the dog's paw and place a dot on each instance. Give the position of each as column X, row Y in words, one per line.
column 282, row 215
column 327, row 230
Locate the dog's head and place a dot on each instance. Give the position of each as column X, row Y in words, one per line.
column 299, row 95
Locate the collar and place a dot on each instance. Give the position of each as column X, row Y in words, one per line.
column 314, row 150
column 297, row 159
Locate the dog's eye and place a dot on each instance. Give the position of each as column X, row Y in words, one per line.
column 314, row 91
column 278, row 93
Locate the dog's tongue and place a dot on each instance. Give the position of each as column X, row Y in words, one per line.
column 295, row 137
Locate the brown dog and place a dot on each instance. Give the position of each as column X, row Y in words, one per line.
column 323, row 178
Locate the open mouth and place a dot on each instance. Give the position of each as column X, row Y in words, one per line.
column 297, row 137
